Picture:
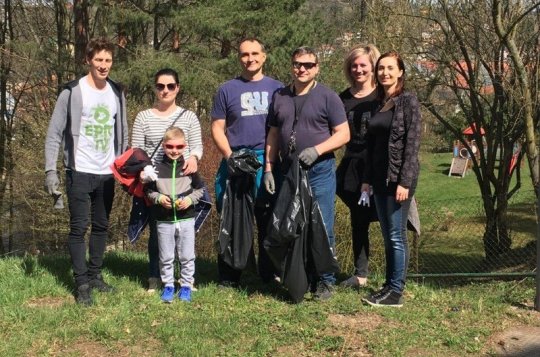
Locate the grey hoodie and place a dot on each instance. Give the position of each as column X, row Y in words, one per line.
column 65, row 125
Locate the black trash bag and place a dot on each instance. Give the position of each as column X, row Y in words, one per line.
column 296, row 241
column 235, row 239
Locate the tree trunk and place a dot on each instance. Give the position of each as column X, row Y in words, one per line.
column 495, row 195
column 6, row 122
column 80, row 14
column 60, row 18
column 156, row 41
column 497, row 240
column 226, row 48
column 537, row 297
column 11, row 208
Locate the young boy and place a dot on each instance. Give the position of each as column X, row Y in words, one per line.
column 174, row 196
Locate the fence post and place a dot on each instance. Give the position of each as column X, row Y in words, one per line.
column 537, row 299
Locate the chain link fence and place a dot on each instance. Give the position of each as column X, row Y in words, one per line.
column 451, row 242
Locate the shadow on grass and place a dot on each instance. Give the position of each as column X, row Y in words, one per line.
column 206, row 274
column 134, row 267
column 519, row 260
column 59, row 265
column 444, row 168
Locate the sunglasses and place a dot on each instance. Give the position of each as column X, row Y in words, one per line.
column 177, row 147
column 306, row 65
column 161, row 86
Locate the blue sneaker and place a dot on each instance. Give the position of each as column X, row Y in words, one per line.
column 168, row 294
column 185, row 293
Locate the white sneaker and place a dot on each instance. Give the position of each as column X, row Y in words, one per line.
column 354, row 281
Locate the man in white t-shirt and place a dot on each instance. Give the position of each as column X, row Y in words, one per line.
column 89, row 122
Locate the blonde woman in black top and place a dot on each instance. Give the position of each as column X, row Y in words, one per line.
column 360, row 101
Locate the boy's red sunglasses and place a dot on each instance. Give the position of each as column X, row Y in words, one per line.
column 177, row 147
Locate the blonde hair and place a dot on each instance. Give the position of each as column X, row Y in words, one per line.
column 357, row 51
column 173, row 132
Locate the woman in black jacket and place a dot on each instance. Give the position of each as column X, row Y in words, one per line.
column 361, row 103
column 393, row 167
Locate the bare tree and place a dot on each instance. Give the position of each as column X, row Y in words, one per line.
column 6, row 120
column 525, row 64
column 480, row 71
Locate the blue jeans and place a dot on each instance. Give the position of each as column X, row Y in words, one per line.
column 90, row 196
column 393, row 220
column 322, row 180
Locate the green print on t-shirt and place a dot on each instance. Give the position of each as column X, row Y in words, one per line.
column 101, row 131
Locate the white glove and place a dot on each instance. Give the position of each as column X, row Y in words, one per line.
column 149, row 174
column 364, row 199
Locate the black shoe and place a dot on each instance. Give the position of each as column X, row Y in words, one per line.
column 323, row 291
column 82, row 295
column 98, row 284
column 385, row 297
column 380, row 292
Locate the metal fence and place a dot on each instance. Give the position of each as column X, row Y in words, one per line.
column 451, row 242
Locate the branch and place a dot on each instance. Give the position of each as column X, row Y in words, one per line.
column 521, row 17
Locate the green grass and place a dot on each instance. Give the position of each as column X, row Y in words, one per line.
column 434, row 181
column 38, row 316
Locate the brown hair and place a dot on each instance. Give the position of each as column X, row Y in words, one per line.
column 357, row 51
column 251, row 39
column 167, row 72
column 305, row 50
column 96, row 45
column 400, row 86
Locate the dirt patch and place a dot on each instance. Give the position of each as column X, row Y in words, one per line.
column 84, row 348
column 48, row 301
column 424, row 352
column 291, row 350
column 517, row 341
column 146, row 348
column 357, row 322
column 352, row 329
column 88, row 348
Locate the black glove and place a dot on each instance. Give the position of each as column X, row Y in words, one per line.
column 308, row 156
column 269, row 182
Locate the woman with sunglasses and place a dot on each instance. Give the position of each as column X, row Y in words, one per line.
column 393, row 168
column 148, row 130
column 361, row 103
